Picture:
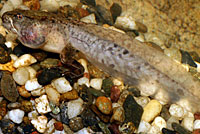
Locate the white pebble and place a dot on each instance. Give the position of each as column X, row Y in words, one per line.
column 176, row 111
column 142, row 101
column 52, row 94
column 196, row 124
column 151, row 110
column 62, row 85
column 38, row 92
column 89, row 19
column 140, row 38
column 187, row 123
column 32, row 84
column 32, row 115
column 24, row 60
column 96, row 83
column 159, row 122
column 42, row 104
column 40, row 123
column 75, row 107
column 16, row 115
column 83, row 81
column 148, row 88
column 50, row 126
column 126, row 22
column 13, row 57
column 32, row 72
column 85, row 131
column 144, row 127
column 21, row 75
column 154, row 130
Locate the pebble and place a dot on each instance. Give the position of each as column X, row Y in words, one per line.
column 24, row 60
column 58, row 126
column 167, row 131
column 115, row 10
column 85, row 131
column 84, row 81
column 50, row 126
column 21, row 75
column 114, row 128
column 47, row 75
column 4, row 54
column 181, row 130
column 40, row 56
column 63, row 113
column 71, row 95
column 32, row 115
column 67, row 129
column 26, row 106
column 38, row 92
column 134, row 90
column 159, row 122
column 118, row 115
column 176, row 111
column 171, row 120
column 104, row 104
column 75, row 107
column 8, row 66
column 76, row 124
column 7, row 126
column 142, row 101
column 151, row 110
column 32, row 72
column 88, row 117
column 32, row 4
column 165, row 112
column 8, row 87
column 143, row 127
column 114, row 93
column 54, row 108
column 42, row 104
column 40, row 123
column 95, row 92
column 62, row 85
column 187, row 59
column 89, row 19
column 49, row 63
column 96, row 83
column 197, row 131
column 14, row 105
column 154, row 130
column 82, row 12
column 32, row 84
column 126, row 22
column 197, row 115
column 3, row 108
column 16, row 115
column 2, row 39
column 23, row 92
column 133, row 111
column 188, row 123
column 52, row 94
column 103, row 117
column 84, row 63
column 196, row 124
column 128, row 127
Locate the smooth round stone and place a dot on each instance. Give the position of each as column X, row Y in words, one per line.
column 151, row 110
column 76, row 124
column 62, row 85
column 75, row 107
column 24, row 60
column 188, row 123
column 58, row 126
column 16, row 115
column 96, row 83
column 197, row 124
column 176, row 111
column 159, row 122
column 52, row 94
column 143, row 127
column 23, row 92
column 32, row 84
column 21, row 75
column 40, row 123
column 104, row 104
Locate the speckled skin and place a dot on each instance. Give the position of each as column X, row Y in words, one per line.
column 113, row 52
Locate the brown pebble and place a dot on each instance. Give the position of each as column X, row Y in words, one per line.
column 104, row 104
column 104, row 118
column 23, row 92
column 114, row 93
column 3, row 108
column 26, row 120
column 197, row 131
column 76, row 124
column 32, row 4
column 8, row 87
column 82, row 12
column 58, row 126
column 197, row 116
column 26, row 106
column 114, row 128
column 71, row 95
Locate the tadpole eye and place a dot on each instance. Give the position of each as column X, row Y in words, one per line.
column 19, row 16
